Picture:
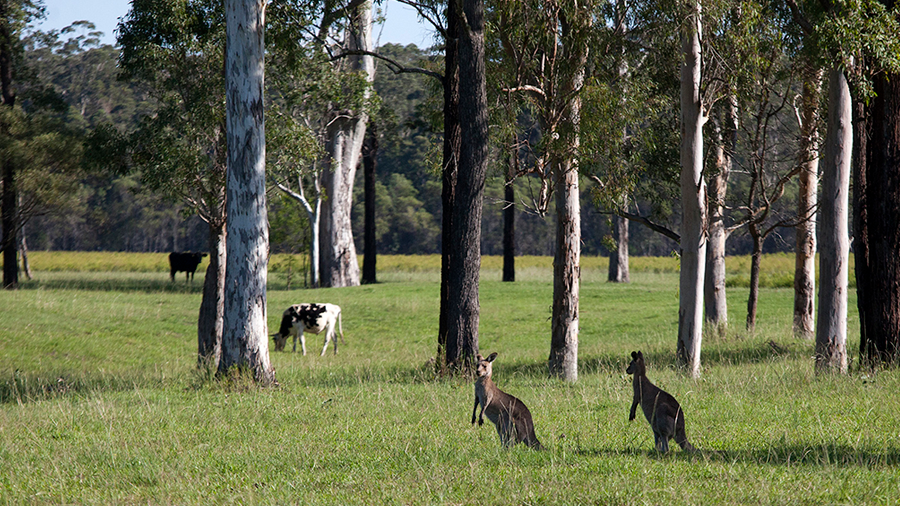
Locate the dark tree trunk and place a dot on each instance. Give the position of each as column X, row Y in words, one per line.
column 878, row 276
column 10, row 226
column 618, row 259
column 867, row 351
column 370, row 164
column 755, row 260
column 509, row 220
column 465, row 233
column 448, row 178
column 10, row 198
column 212, row 306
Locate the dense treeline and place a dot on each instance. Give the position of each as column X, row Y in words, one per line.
column 115, row 212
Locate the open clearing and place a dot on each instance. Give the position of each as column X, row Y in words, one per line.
column 101, row 403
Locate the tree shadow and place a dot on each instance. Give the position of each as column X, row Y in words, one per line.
column 22, row 388
column 146, row 285
column 822, row 455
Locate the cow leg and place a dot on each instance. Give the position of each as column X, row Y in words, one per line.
column 329, row 330
column 302, row 341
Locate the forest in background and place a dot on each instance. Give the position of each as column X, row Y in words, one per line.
column 115, row 212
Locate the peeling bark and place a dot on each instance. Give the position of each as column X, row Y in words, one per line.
column 245, row 342
column 834, row 240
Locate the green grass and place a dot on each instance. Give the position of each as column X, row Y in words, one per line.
column 101, row 403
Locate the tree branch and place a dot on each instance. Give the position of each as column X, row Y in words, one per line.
column 395, row 66
column 804, row 23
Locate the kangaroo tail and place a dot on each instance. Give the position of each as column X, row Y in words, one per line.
column 681, row 439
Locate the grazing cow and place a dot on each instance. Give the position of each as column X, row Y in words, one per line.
column 314, row 318
column 186, row 262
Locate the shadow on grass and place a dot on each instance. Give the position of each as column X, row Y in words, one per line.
column 95, row 284
column 22, row 388
column 152, row 283
column 824, row 455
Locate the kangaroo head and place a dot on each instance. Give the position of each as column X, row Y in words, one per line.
column 483, row 367
column 636, row 366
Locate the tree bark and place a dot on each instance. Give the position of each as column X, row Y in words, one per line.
column 452, row 141
column 245, row 342
column 878, row 264
column 618, row 259
column 339, row 265
column 693, row 202
column 9, row 199
column 755, row 262
column 9, row 211
column 834, row 240
column 465, row 262
column 715, row 297
column 808, row 179
column 212, row 307
column 509, row 219
column 23, row 248
column 563, row 361
column 370, row 161
column 313, row 214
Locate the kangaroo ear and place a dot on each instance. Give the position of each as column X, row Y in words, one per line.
column 492, row 356
column 634, row 355
column 640, row 355
column 478, row 358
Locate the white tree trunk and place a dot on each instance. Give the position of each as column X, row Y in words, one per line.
column 693, row 202
column 339, row 265
column 834, row 239
column 715, row 296
column 808, row 180
column 563, row 361
column 313, row 214
column 245, row 334
column 566, row 274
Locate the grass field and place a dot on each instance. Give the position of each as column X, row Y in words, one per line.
column 101, row 402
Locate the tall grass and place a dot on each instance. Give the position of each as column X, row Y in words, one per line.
column 101, row 403
column 777, row 268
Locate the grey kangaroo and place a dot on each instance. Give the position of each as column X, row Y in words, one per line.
column 510, row 415
column 661, row 409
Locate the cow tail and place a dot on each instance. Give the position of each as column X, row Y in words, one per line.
column 341, row 326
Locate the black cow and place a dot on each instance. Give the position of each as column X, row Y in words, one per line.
column 186, row 262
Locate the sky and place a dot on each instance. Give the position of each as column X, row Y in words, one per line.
column 400, row 27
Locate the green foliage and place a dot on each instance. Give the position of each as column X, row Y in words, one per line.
column 114, row 409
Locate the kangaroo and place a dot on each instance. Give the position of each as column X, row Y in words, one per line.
column 510, row 415
column 661, row 409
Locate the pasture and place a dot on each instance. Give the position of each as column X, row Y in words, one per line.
column 101, row 401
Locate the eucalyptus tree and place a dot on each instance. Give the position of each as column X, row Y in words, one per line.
column 341, row 32
column 175, row 48
column 14, row 16
column 877, row 191
column 546, row 44
column 465, row 232
column 860, row 39
column 245, row 337
column 693, row 194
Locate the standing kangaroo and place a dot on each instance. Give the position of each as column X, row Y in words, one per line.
column 510, row 415
column 661, row 409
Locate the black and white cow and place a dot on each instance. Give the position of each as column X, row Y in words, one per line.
column 186, row 262
column 315, row 318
